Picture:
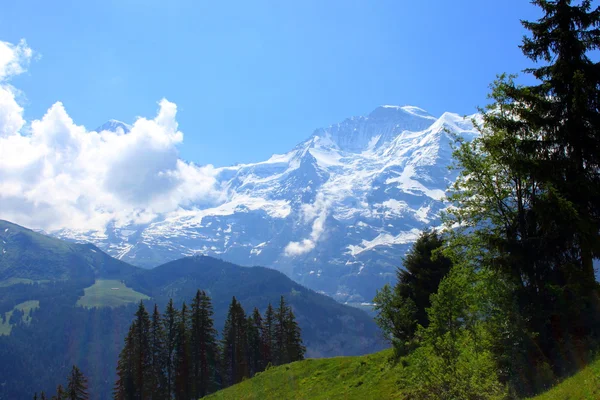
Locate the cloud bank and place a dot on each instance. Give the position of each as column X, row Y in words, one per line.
column 55, row 174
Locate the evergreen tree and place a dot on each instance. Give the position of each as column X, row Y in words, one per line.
column 60, row 393
column 234, row 345
column 203, row 346
column 280, row 352
column 43, row 396
column 158, row 357
column 529, row 194
column 143, row 355
column 255, row 345
column 182, row 357
column 295, row 348
column 401, row 309
column 170, row 328
column 125, row 386
column 268, row 336
column 77, row 385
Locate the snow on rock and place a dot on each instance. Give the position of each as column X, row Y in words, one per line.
column 336, row 213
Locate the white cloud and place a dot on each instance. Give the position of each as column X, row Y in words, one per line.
column 60, row 175
column 316, row 212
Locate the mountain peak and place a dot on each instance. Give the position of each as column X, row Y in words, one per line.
column 114, row 125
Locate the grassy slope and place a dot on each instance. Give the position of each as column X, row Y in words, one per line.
column 102, row 294
column 583, row 385
column 6, row 327
column 368, row 377
column 362, row 377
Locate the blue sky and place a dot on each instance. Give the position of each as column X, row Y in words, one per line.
column 252, row 78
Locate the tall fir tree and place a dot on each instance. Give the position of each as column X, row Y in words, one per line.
column 255, row 345
column 125, row 385
column 295, row 347
column 268, row 336
column 158, row 357
column 401, row 308
column 529, row 194
column 142, row 352
column 182, row 357
column 203, row 346
column 234, row 345
column 170, row 328
column 77, row 385
column 280, row 353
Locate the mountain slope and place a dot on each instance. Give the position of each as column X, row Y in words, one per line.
column 81, row 319
column 30, row 257
column 328, row 327
column 336, row 213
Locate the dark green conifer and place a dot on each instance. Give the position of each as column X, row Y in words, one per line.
column 77, row 385
column 158, row 357
column 170, row 328
column 234, row 345
column 203, row 346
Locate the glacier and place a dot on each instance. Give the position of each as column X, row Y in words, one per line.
column 336, row 213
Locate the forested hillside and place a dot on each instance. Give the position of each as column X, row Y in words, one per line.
column 82, row 316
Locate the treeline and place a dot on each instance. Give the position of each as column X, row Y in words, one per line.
column 178, row 354
column 504, row 303
column 76, row 388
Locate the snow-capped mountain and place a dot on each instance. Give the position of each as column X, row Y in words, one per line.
column 336, row 213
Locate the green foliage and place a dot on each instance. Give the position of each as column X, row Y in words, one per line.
column 401, row 309
column 454, row 357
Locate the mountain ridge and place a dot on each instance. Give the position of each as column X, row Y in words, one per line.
column 336, row 213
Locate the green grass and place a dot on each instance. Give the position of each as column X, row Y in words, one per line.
column 6, row 327
column 365, row 377
column 109, row 293
column 581, row 386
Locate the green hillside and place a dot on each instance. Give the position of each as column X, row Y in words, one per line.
column 582, row 386
column 28, row 257
column 368, row 377
column 109, row 293
column 87, row 301
column 362, row 377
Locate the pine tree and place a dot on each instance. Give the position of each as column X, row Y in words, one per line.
column 60, row 393
column 268, row 336
column 182, row 357
column 158, row 357
column 255, row 345
column 170, row 327
column 203, row 346
column 280, row 353
column 295, row 348
column 143, row 357
column 400, row 309
column 43, row 396
column 529, row 193
column 234, row 345
column 77, row 385
column 125, row 386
